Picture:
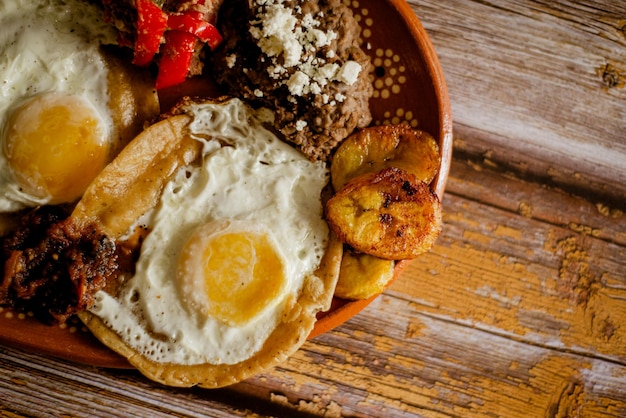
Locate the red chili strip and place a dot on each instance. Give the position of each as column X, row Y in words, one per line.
column 178, row 32
column 176, row 58
column 193, row 22
column 151, row 25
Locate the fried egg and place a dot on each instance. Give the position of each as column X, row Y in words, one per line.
column 232, row 241
column 56, row 128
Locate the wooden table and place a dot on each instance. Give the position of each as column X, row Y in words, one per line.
column 520, row 308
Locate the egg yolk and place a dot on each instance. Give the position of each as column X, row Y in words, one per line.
column 55, row 146
column 238, row 274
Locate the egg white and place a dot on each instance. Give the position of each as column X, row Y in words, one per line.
column 49, row 46
column 249, row 176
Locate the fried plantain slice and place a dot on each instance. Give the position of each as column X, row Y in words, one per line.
column 373, row 149
column 362, row 276
column 389, row 214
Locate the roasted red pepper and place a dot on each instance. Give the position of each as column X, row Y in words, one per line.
column 178, row 32
column 176, row 58
column 151, row 25
column 193, row 22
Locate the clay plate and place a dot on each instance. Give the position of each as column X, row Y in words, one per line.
column 408, row 87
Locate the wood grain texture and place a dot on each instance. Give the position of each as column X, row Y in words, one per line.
column 519, row 309
column 538, row 85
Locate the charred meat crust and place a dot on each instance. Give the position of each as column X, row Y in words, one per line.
column 54, row 268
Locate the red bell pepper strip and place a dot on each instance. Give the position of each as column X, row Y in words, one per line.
column 178, row 32
column 151, row 25
column 209, row 35
column 193, row 22
column 176, row 57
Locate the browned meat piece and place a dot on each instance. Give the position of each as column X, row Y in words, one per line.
column 52, row 268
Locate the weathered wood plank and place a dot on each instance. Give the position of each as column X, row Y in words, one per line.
column 539, row 85
column 507, row 191
column 550, row 281
column 390, row 361
column 48, row 387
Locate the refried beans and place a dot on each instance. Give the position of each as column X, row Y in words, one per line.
column 304, row 61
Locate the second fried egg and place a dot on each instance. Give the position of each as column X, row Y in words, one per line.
column 56, row 125
column 230, row 245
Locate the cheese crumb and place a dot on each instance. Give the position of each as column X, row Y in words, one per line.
column 276, row 34
column 297, row 82
column 349, row 72
column 292, row 43
column 231, row 60
column 315, row 88
column 328, row 71
column 301, row 124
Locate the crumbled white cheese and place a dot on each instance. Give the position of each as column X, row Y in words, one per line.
column 277, row 71
column 231, row 60
column 258, row 93
column 309, row 22
column 349, row 72
column 301, row 124
column 276, row 34
column 315, row 88
column 297, row 82
column 282, row 34
column 319, row 38
column 327, row 71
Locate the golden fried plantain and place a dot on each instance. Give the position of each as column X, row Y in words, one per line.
column 372, row 149
column 389, row 214
column 362, row 276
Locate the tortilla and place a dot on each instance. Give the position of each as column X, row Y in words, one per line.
column 130, row 186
